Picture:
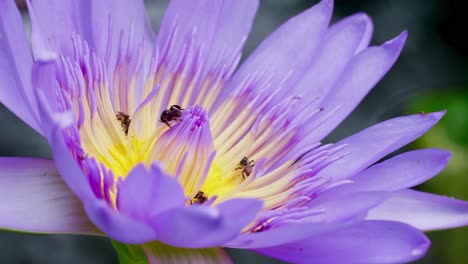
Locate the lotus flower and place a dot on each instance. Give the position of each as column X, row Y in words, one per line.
column 164, row 144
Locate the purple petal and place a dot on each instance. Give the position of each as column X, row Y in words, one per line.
column 303, row 33
column 423, row 210
column 116, row 225
column 359, row 77
column 219, row 27
column 366, row 242
column 113, row 17
column 35, row 199
column 203, row 226
column 15, row 66
column 203, row 40
column 366, row 39
column 59, row 19
column 403, row 171
column 158, row 253
column 333, row 216
column 357, row 204
column 288, row 233
column 66, row 164
column 371, row 144
column 338, row 47
column 68, row 168
column 147, row 192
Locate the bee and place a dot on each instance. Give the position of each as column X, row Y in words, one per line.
column 199, row 198
column 124, row 120
column 246, row 166
column 174, row 113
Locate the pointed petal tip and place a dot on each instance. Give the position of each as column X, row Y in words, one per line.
column 362, row 17
column 436, row 116
column 364, row 21
column 420, row 251
column 397, row 43
column 327, row 4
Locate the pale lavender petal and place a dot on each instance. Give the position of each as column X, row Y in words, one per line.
column 234, row 24
column 371, row 144
column 148, row 192
column 423, row 210
column 403, row 171
column 218, row 28
column 359, row 77
column 59, row 19
column 35, row 199
column 44, row 79
column 366, row 242
column 15, row 66
column 116, row 225
column 302, row 33
column 330, row 215
column 356, row 204
column 69, row 169
column 288, row 233
column 336, row 50
column 263, row 84
column 209, row 226
column 201, row 41
column 111, row 18
column 65, row 162
column 366, row 39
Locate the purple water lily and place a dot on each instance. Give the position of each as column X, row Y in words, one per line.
column 165, row 139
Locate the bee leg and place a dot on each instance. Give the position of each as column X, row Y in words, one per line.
column 244, row 175
column 167, row 123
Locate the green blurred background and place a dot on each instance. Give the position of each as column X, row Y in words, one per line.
column 431, row 74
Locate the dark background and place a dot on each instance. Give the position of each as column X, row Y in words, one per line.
column 431, row 74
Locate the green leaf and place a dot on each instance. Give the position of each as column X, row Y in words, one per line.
column 130, row 254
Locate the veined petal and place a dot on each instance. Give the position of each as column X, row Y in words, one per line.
column 371, row 144
column 403, row 171
column 148, row 192
column 252, row 86
column 65, row 162
column 112, row 18
column 359, row 77
column 366, row 242
column 116, row 225
column 329, row 215
column 59, row 19
column 15, row 66
column 336, row 50
column 367, row 37
column 35, row 199
column 158, row 253
column 423, row 210
column 200, row 44
column 205, row 226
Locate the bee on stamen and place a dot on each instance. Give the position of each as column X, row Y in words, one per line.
column 246, row 166
column 199, row 198
column 124, row 120
column 174, row 113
